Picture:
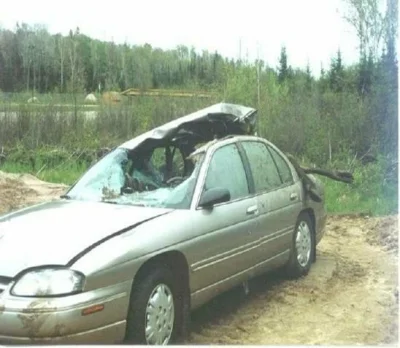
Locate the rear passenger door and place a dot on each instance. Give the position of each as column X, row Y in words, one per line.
column 277, row 197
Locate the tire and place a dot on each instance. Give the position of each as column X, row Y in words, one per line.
column 301, row 257
column 158, row 288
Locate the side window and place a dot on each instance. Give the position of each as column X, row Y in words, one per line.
column 263, row 168
column 283, row 168
column 226, row 170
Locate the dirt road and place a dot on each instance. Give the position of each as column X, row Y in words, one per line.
column 349, row 297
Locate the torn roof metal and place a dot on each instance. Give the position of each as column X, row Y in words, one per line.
column 215, row 121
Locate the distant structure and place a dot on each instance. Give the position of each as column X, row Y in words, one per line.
column 33, row 100
column 90, row 98
column 135, row 92
column 112, row 97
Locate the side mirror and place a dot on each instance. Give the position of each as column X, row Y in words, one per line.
column 214, row 196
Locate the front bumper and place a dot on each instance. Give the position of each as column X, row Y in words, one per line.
column 61, row 320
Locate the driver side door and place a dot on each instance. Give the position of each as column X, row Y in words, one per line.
column 224, row 249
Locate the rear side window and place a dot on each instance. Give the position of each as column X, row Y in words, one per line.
column 226, row 170
column 283, row 167
column 265, row 174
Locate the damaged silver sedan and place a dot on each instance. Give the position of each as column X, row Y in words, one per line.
column 155, row 229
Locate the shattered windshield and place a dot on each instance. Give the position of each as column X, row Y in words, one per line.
column 123, row 178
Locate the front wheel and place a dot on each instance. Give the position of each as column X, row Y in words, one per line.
column 153, row 308
column 302, row 251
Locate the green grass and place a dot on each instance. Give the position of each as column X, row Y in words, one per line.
column 63, row 174
column 372, row 192
column 343, row 198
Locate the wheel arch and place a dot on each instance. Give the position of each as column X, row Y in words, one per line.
column 174, row 260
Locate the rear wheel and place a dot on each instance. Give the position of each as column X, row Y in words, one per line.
column 302, row 251
column 153, row 309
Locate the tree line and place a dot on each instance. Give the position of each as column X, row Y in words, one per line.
column 32, row 58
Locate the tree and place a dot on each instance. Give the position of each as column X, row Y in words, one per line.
column 61, row 44
column 385, row 103
column 83, row 51
column 391, row 29
column 309, row 78
column 13, row 73
column 370, row 24
column 323, row 82
column 283, row 70
column 25, row 50
column 365, row 75
column 76, row 78
column 336, row 73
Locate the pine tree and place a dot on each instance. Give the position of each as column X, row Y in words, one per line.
column 283, row 66
column 308, row 77
column 336, row 73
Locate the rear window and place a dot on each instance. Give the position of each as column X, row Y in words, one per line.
column 283, row 167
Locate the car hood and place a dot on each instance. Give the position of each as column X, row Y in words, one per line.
column 56, row 232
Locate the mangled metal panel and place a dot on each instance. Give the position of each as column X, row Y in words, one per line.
column 215, row 121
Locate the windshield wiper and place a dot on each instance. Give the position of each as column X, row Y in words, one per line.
column 65, row 197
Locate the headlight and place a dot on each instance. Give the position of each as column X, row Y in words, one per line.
column 48, row 282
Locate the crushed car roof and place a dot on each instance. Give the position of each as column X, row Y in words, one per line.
column 215, row 121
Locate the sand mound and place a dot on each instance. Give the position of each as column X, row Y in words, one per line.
column 18, row 190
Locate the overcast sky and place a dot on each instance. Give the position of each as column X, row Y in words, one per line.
column 312, row 30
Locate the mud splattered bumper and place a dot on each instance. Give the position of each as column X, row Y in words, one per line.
column 97, row 316
column 109, row 334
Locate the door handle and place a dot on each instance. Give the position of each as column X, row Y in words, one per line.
column 293, row 196
column 252, row 210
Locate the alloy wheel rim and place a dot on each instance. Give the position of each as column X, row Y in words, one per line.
column 160, row 314
column 303, row 244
